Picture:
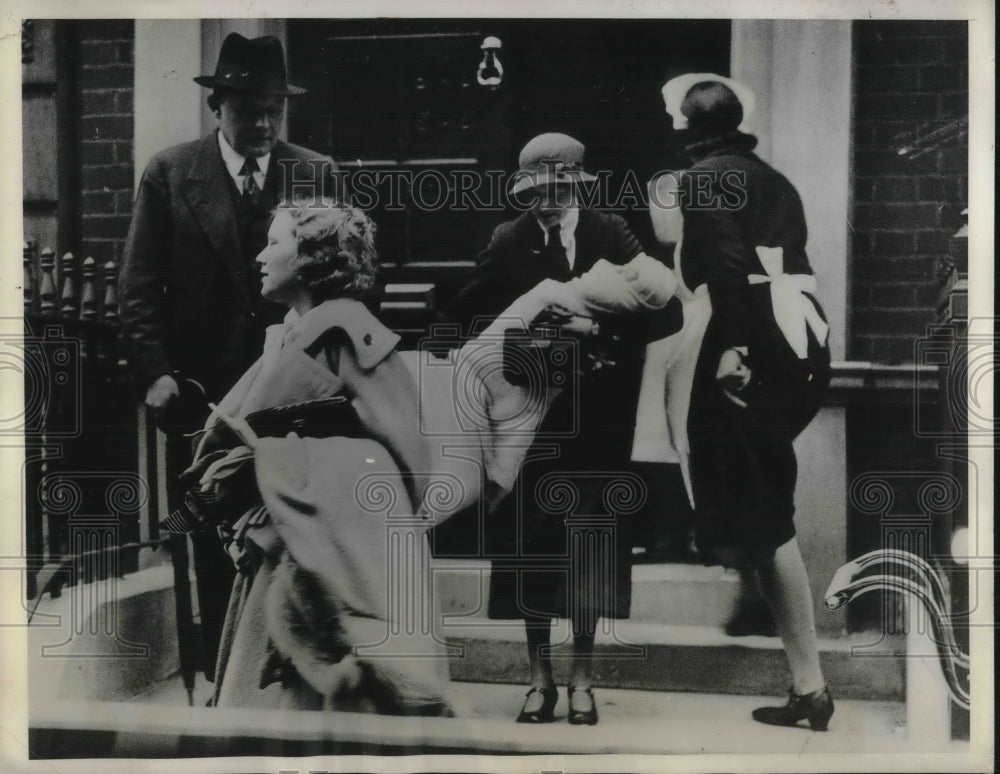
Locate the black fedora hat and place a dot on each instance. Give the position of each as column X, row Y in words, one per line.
column 255, row 65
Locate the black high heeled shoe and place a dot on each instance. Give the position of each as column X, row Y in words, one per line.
column 550, row 695
column 816, row 707
column 587, row 717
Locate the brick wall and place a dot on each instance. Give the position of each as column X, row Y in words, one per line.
column 908, row 74
column 106, row 132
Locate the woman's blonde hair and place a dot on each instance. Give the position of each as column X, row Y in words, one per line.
column 336, row 249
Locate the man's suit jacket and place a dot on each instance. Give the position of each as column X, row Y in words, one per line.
column 189, row 303
column 602, row 411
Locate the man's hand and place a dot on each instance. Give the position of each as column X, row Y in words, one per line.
column 161, row 394
column 733, row 374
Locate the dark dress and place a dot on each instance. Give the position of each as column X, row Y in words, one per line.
column 557, row 541
column 743, row 466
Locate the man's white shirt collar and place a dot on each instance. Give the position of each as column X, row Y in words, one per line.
column 234, row 163
column 567, row 232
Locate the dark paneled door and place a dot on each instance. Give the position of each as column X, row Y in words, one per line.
column 401, row 108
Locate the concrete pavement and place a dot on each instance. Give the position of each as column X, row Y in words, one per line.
column 632, row 721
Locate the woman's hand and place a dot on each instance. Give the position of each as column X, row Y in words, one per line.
column 578, row 325
column 733, row 374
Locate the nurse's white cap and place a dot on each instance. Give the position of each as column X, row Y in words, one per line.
column 676, row 89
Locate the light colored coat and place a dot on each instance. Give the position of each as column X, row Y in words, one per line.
column 323, row 620
column 337, row 612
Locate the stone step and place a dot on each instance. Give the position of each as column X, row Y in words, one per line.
column 685, row 594
column 107, row 638
column 671, row 657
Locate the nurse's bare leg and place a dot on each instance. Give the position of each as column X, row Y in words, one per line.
column 785, row 584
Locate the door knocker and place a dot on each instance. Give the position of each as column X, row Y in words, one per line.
column 490, row 72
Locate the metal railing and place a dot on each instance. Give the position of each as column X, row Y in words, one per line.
column 79, row 422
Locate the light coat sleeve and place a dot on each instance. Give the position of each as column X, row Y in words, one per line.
column 387, row 399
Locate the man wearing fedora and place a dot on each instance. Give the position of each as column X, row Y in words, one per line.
column 558, row 239
column 191, row 309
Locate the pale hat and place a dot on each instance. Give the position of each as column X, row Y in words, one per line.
column 676, row 89
column 550, row 158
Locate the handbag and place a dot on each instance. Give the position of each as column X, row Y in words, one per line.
column 561, row 347
column 224, row 503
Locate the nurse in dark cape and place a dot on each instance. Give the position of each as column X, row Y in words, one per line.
column 750, row 368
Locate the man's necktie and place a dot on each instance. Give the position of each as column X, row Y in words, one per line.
column 251, row 191
column 555, row 246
